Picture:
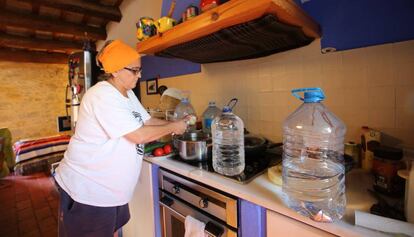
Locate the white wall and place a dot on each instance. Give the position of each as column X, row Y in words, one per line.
column 131, row 10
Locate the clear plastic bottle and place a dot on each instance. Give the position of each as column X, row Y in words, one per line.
column 183, row 109
column 209, row 115
column 228, row 143
column 313, row 168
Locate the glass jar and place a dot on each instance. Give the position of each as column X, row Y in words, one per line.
column 387, row 162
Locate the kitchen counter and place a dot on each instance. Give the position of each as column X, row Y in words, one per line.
column 270, row 196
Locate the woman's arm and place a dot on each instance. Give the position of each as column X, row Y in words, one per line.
column 156, row 121
column 148, row 133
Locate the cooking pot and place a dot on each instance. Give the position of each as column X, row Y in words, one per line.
column 193, row 146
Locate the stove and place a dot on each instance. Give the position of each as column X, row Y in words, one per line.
column 255, row 165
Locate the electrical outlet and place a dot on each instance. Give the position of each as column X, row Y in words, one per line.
column 64, row 123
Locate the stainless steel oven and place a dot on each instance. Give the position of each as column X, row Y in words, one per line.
column 180, row 197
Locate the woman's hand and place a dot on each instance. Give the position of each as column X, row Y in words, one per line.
column 190, row 119
column 179, row 126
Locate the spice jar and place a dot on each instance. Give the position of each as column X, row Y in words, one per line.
column 387, row 162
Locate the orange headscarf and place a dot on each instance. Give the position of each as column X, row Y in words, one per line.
column 116, row 56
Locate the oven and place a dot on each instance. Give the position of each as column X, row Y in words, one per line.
column 180, row 197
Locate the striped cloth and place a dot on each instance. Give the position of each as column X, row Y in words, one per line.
column 33, row 148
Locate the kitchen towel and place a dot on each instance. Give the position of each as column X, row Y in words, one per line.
column 194, row 227
column 383, row 224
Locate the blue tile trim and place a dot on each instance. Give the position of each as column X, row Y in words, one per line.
column 153, row 67
column 155, row 191
column 252, row 219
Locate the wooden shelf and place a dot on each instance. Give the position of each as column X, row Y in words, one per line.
column 229, row 14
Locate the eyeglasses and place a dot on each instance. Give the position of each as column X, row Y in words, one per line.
column 134, row 71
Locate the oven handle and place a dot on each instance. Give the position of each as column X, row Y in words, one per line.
column 211, row 229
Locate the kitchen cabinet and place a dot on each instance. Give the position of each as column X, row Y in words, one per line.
column 280, row 225
column 158, row 67
column 235, row 30
column 142, row 222
column 348, row 24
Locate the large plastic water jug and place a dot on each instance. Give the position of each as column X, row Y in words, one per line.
column 228, row 143
column 313, row 165
column 209, row 115
column 183, row 109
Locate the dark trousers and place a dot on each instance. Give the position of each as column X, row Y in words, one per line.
column 81, row 220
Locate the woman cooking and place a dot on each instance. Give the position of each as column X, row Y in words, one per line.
column 101, row 166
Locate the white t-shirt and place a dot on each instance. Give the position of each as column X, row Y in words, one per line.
column 100, row 166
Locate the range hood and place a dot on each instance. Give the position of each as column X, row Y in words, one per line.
column 235, row 30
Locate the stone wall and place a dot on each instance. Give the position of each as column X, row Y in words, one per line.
column 31, row 98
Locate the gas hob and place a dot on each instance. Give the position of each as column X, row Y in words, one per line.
column 255, row 165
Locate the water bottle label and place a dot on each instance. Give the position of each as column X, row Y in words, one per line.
column 208, row 122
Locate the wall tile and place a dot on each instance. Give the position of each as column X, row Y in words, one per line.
column 265, row 83
column 356, row 58
column 405, row 97
column 333, row 79
column 381, row 118
column 405, row 118
column 371, row 86
column 405, row 74
column 331, row 61
column 355, row 77
column 266, row 113
column 382, row 97
column 403, row 52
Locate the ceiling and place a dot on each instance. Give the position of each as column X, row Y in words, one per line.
column 46, row 31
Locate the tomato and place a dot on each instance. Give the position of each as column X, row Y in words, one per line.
column 168, row 149
column 158, row 152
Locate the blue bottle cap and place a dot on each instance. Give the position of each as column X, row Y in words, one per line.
column 311, row 95
column 226, row 109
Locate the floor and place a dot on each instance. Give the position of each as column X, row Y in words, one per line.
column 28, row 206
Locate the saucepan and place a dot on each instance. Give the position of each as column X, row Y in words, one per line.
column 193, row 146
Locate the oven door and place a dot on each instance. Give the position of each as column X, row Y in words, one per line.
column 173, row 213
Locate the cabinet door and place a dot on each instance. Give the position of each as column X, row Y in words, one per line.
column 141, row 207
column 280, row 225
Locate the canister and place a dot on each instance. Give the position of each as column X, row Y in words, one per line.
column 370, row 139
column 387, row 162
column 191, row 11
column 353, row 150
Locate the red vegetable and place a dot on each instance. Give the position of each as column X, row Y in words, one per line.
column 158, row 152
column 168, row 149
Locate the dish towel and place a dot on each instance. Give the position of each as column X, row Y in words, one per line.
column 194, row 227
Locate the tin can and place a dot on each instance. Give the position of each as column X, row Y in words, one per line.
column 184, row 16
column 352, row 149
column 191, row 12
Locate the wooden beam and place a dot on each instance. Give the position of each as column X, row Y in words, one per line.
column 79, row 6
column 35, row 8
column 32, row 56
column 118, row 2
column 12, row 41
column 2, row 3
column 33, row 22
